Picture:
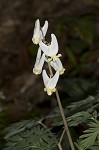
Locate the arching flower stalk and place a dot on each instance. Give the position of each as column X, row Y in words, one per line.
column 51, row 56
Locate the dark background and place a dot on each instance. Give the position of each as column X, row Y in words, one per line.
column 76, row 25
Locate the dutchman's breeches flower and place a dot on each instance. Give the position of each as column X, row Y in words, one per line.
column 52, row 49
column 50, row 83
column 39, row 32
column 50, row 55
column 57, row 65
column 39, row 62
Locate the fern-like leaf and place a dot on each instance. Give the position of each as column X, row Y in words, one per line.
column 88, row 139
column 78, row 118
column 18, row 127
column 38, row 138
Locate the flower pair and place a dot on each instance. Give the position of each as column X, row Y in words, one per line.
column 39, row 33
column 47, row 53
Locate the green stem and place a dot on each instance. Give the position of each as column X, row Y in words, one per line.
column 62, row 136
column 62, row 113
column 59, row 144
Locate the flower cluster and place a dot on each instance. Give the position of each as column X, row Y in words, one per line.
column 47, row 52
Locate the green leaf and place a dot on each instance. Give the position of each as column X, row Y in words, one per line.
column 19, row 127
column 78, row 145
column 78, row 118
column 37, row 138
column 78, row 87
column 95, row 147
column 88, row 139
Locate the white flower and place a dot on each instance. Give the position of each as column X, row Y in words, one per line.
column 52, row 49
column 39, row 62
column 39, row 33
column 57, row 65
column 50, row 83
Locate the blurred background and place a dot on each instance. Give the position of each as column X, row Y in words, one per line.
column 76, row 25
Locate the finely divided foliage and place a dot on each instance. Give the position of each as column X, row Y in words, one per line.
column 37, row 138
column 31, row 135
column 91, row 134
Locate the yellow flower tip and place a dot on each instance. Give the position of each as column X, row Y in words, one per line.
column 45, row 89
column 62, row 71
column 54, row 57
column 51, row 75
column 49, row 90
column 49, row 59
column 59, row 55
column 35, row 71
column 49, row 93
column 36, row 40
column 53, row 90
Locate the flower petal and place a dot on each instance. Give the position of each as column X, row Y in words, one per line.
column 38, row 56
column 61, row 69
column 59, row 63
column 37, row 33
column 54, row 65
column 37, row 23
column 45, row 28
column 53, row 81
column 45, row 77
column 45, row 48
column 41, row 62
column 37, row 27
column 54, row 45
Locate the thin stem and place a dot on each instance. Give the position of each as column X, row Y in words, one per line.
column 62, row 136
column 42, row 124
column 59, row 146
column 61, row 108
column 64, row 121
column 62, row 113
